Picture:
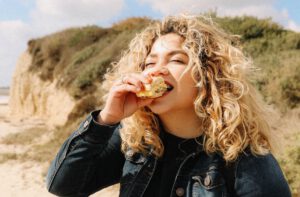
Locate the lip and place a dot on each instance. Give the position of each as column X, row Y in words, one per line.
column 168, row 83
column 164, row 94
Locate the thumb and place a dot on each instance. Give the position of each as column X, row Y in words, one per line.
column 144, row 102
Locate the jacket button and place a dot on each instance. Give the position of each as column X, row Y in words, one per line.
column 179, row 191
column 207, row 180
column 85, row 124
column 129, row 153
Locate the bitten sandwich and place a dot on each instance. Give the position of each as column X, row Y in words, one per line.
column 156, row 89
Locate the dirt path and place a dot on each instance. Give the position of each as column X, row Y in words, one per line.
column 25, row 178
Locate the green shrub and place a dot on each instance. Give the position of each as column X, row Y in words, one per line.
column 81, row 37
column 290, row 163
column 290, row 87
column 250, row 27
column 84, row 55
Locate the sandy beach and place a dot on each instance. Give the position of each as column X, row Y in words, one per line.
column 18, row 178
column 25, row 178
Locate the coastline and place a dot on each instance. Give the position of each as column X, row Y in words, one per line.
column 4, row 95
column 4, row 91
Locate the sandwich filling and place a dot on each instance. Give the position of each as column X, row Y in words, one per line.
column 156, row 89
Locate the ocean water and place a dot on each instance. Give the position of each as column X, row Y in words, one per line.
column 3, row 99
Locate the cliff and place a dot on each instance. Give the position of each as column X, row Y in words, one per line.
column 31, row 96
column 59, row 75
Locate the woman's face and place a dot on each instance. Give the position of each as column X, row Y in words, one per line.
column 167, row 54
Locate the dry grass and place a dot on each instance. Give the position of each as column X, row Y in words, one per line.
column 4, row 157
column 46, row 151
column 289, row 159
column 25, row 137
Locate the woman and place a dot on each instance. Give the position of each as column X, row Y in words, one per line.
column 206, row 136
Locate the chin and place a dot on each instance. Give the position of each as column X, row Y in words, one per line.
column 159, row 108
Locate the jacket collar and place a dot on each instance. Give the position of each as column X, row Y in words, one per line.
column 186, row 146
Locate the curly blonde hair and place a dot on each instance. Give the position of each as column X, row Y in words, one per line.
column 231, row 109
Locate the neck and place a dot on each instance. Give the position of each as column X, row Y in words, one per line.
column 182, row 123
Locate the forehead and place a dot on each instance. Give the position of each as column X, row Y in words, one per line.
column 167, row 42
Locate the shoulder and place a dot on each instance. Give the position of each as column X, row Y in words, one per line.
column 257, row 163
column 260, row 175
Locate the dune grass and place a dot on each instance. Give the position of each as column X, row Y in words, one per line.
column 24, row 137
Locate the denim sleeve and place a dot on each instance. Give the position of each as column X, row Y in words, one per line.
column 260, row 176
column 89, row 160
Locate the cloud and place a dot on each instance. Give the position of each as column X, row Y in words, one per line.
column 258, row 8
column 195, row 6
column 14, row 35
column 52, row 15
column 48, row 16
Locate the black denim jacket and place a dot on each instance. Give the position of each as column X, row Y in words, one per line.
column 90, row 159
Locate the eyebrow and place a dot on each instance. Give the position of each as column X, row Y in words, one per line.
column 170, row 53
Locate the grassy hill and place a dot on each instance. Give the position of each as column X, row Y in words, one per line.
column 276, row 52
column 78, row 57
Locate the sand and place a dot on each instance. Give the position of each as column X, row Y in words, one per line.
column 18, row 178
column 25, row 178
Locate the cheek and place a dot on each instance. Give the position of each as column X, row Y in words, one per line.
column 187, row 89
column 176, row 74
column 185, row 84
column 186, row 81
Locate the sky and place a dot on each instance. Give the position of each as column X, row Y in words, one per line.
column 22, row 20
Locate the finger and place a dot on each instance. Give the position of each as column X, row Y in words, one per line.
column 119, row 81
column 144, row 78
column 144, row 102
column 126, row 88
column 133, row 80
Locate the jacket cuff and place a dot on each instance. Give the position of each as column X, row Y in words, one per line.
column 96, row 133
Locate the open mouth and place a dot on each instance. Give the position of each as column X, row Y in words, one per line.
column 169, row 86
column 165, row 90
column 157, row 88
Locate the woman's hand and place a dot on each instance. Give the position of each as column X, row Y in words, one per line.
column 122, row 100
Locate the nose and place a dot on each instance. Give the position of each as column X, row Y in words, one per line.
column 158, row 69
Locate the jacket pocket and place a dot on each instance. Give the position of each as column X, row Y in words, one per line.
column 133, row 164
column 132, row 167
column 208, row 184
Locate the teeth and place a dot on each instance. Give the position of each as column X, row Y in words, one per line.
column 169, row 87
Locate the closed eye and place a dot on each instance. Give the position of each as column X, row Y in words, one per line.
column 178, row 61
column 148, row 64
